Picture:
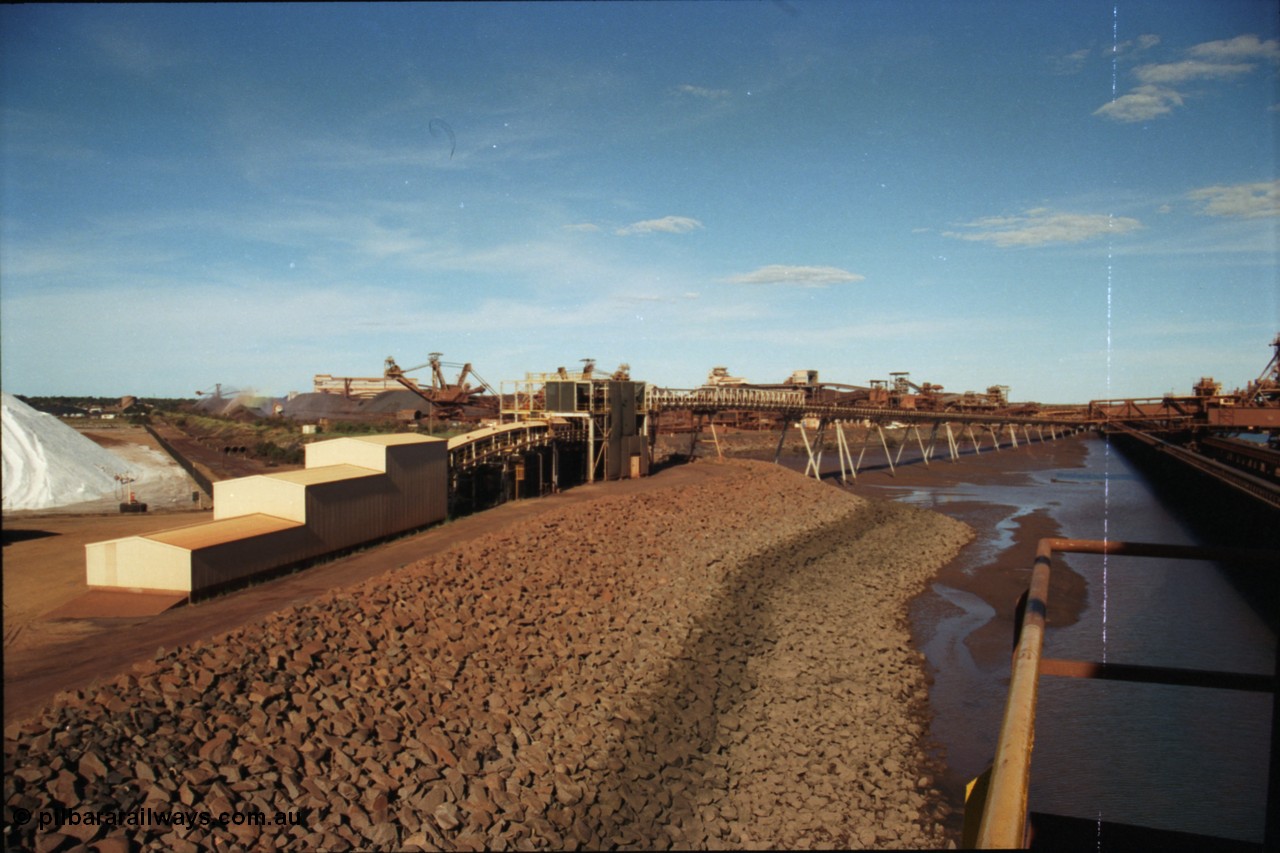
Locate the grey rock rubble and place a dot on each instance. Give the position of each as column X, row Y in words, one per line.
column 723, row 665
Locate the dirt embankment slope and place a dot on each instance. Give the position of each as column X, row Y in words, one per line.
column 724, row 664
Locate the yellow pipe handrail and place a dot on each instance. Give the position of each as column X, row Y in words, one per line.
column 1003, row 821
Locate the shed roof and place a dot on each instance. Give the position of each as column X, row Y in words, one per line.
column 324, row 474
column 485, row 432
column 210, row 533
column 393, row 439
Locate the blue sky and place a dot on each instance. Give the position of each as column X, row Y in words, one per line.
column 1078, row 200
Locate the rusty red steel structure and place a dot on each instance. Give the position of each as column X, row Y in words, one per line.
column 796, row 403
column 1196, row 430
column 447, row 398
column 1251, row 469
column 1255, row 407
column 996, row 813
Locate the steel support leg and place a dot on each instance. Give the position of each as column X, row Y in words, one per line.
column 819, row 443
column 977, row 447
column 887, row 455
column 920, row 441
column 808, row 448
column 866, row 440
column 842, row 447
column 933, row 440
column 782, row 437
column 591, row 449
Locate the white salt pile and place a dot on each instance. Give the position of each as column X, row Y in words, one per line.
column 48, row 464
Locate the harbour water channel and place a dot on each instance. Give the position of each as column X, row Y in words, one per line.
column 1188, row 759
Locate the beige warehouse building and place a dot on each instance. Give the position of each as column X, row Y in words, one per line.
column 352, row 491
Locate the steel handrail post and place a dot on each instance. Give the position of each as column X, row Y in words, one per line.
column 1004, row 821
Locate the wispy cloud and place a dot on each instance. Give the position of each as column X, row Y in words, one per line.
column 588, row 227
column 1242, row 201
column 1190, row 69
column 1208, row 61
column 1042, row 226
column 1240, row 47
column 702, row 92
column 129, row 49
column 665, row 225
column 1072, row 63
column 1075, row 61
column 798, row 276
column 1141, row 104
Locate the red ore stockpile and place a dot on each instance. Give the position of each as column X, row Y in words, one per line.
column 725, row 664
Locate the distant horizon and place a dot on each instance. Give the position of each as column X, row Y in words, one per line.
column 248, row 392
column 1079, row 201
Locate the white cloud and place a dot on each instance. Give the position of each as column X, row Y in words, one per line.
column 1144, row 102
column 1240, row 47
column 1190, row 69
column 796, row 275
column 1141, row 43
column 702, row 92
column 1209, row 61
column 1072, row 63
column 1243, row 201
column 665, row 225
column 582, row 226
column 1041, row 226
column 130, row 49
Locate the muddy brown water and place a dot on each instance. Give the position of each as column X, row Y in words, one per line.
column 1185, row 759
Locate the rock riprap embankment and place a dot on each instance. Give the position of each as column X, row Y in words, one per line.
column 720, row 665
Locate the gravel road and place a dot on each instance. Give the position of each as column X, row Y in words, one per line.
column 722, row 665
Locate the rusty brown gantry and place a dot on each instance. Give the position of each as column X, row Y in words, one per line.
column 1209, row 430
column 447, row 399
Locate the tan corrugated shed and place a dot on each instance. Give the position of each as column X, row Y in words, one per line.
column 353, row 490
column 283, row 494
column 201, row 556
column 212, row 533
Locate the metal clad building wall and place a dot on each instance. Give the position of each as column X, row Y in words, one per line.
column 625, row 400
column 346, row 451
column 560, row 396
column 226, row 563
column 348, row 512
column 134, row 563
column 261, row 493
column 634, row 446
column 420, row 473
column 416, row 467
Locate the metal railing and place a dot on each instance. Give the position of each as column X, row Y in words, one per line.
column 1247, row 482
column 482, row 445
column 1002, row 807
column 726, row 397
